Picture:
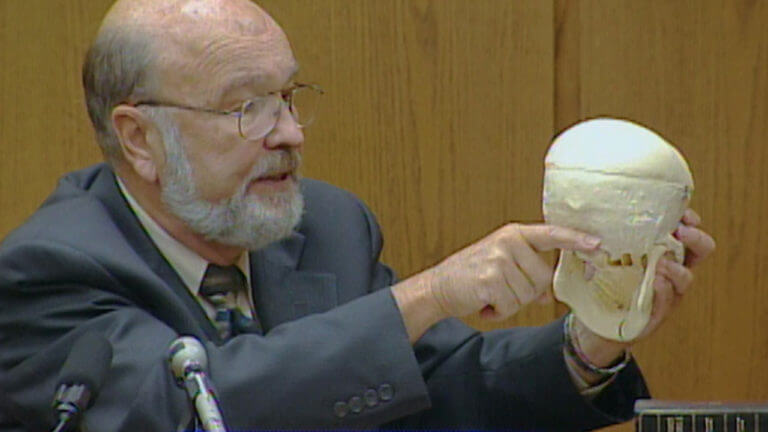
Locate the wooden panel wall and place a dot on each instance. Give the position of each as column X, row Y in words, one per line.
column 438, row 114
column 44, row 130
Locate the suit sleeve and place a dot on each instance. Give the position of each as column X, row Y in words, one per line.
column 294, row 377
column 510, row 378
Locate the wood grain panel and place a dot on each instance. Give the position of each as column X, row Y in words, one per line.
column 696, row 72
column 44, row 130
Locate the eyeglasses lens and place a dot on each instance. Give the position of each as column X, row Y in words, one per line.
column 260, row 116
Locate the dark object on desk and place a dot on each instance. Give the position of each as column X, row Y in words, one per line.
column 680, row 416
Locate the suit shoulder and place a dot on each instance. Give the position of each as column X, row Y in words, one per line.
column 70, row 212
column 65, row 218
column 328, row 201
column 72, row 221
column 336, row 212
column 320, row 191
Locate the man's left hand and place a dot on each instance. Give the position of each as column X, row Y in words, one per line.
column 672, row 282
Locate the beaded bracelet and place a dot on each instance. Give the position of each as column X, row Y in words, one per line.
column 581, row 359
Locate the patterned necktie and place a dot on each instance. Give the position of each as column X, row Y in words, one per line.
column 219, row 287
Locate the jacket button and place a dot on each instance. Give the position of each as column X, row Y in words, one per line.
column 371, row 398
column 386, row 392
column 356, row 404
column 341, row 409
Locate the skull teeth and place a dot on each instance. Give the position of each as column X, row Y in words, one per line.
column 627, row 261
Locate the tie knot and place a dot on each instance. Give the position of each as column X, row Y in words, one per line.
column 220, row 280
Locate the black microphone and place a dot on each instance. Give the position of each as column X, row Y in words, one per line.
column 80, row 378
column 188, row 362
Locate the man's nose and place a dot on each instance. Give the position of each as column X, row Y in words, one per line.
column 286, row 133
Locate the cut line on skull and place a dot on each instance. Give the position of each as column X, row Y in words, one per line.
column 625, row 184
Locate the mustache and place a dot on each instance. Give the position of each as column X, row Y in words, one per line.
column 274, row 163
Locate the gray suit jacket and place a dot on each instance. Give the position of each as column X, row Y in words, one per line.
column 333, row 340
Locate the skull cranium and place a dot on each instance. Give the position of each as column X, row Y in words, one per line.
column 625, row 184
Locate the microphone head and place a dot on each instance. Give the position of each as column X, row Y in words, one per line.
column 186, row 354
column 87, row 364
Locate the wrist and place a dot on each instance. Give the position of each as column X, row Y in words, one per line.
column 417, row 305
column 596, row 356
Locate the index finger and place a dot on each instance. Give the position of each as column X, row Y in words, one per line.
column 543, row 237
column 698, row 244
column 691, row 218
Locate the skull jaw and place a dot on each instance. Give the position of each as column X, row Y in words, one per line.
column 617, row 301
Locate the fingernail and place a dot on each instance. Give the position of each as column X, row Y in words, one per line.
column 590, row 241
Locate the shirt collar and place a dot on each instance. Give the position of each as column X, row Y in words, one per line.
column 187, row 263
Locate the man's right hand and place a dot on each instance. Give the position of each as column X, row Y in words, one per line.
column 494, row 277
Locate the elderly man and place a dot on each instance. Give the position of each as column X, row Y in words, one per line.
column 197, row 225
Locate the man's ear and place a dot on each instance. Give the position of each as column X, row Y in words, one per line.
column 140, row 142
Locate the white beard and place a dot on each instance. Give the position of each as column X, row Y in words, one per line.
column 248, row 221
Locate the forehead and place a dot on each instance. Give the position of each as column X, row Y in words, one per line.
column 217, row 62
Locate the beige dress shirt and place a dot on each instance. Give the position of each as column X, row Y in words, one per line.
column 188, row 264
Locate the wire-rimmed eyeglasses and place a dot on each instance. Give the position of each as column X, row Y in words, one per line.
column 257, row 117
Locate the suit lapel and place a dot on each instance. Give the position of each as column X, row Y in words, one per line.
column 281, row 291
column 172, row 303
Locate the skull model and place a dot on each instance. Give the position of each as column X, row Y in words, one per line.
column 625, row 184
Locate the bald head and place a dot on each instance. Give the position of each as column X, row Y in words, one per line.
column 179, row 19
column 177, row 50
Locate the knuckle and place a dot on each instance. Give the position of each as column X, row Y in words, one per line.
column 488, row 275
column 512, row 230
column 485, row 296
column 683, row 273
column 553, row 231
column 496, row 255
